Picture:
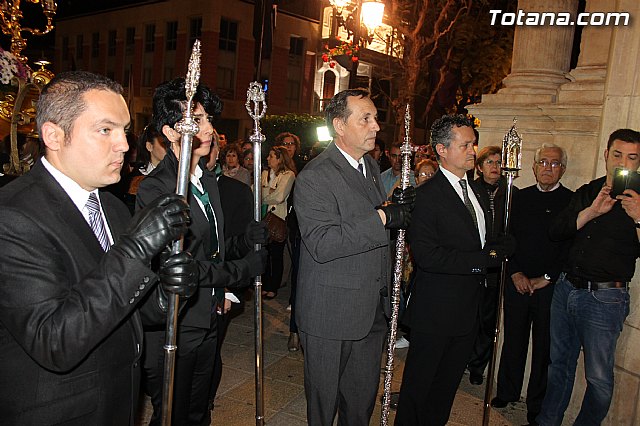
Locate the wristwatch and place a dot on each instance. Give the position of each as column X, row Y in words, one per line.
column 547, row 277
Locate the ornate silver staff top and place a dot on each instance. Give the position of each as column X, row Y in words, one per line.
column 255, row 96
column 512, row 149
column 188, row 126
column 405, row 150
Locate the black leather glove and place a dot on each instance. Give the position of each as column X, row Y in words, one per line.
column 398, row 215
column 406, row 197
column 165, row 219
column 257, row 262
column 256, row 233
column 499, row 249
column 178, row 274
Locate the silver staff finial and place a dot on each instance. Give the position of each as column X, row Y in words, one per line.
column 193, row 71
column 512, row 149
column 256, row 107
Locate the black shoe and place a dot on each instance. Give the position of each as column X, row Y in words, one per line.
column 499, row 403
column 475, row 379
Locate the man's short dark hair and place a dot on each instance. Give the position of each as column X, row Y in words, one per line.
column 169, row 98
column 626, row 135
column 442, row 130
column 337, row 107
column 61, row 101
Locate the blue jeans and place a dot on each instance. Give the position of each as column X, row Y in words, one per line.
column 591, row 321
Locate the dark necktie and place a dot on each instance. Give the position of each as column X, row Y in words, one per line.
column 213, row 238
column 467, row 202
column 213, row 232
column 96, row 222
column 361, row 168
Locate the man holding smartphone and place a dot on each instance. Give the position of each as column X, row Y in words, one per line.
column 591, row 299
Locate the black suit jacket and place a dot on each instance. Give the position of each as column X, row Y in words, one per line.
column 451, row 266
column 197, row 313
column 70, row 335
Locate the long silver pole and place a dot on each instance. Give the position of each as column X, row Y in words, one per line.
column 511, row 165
column 257, row 107
column 405, row 151
column 187, row 127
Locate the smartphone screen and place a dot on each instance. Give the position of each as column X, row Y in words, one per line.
column 625, row 179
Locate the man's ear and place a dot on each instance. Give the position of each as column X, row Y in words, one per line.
column 52, row 135
column 440, row 149
column 170, row 133
column 339, row 125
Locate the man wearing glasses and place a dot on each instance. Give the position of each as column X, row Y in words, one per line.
column 534, row 267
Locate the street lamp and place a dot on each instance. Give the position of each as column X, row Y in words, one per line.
column 359, row 12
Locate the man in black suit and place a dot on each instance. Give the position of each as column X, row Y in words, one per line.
column 447, row 236
column 72, row 273
column 344, row 265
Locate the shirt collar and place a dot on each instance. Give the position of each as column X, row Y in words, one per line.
column 78, row 195
column 557, row 185
column 453, row 179
column 354, row 163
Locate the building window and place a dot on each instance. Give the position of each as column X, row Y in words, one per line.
column 65, row 48
column 95, row 45
column 292, row 96
column 79, row 43
column 172, row 35
column 224, row 81
column 296, row 46
column 150, row 38
column 111, row 43
column 129, row 41
column 195, row 30
column 147, row 74
column 228, row 35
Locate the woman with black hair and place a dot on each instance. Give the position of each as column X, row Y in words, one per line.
column 198, row 323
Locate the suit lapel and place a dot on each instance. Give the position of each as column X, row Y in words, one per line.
column 483, row 199
column 457, row 205
column 364, row 185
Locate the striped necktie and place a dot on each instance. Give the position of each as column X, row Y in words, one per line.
column 96, row 221
column 467, row 202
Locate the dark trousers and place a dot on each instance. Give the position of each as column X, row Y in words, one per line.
column 193, row 373
column 483, row 345
column 524, row 314
column 342, row 376
column 295, row 265
column 432, row 372
column 275, row 266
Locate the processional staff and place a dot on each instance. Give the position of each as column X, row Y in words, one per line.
column 187, row 127
column 257, row 107
column 511, row 165
column 405, row 152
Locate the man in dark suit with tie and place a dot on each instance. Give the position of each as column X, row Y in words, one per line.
column 344, row 265
column 447, row 237
column 74, row 267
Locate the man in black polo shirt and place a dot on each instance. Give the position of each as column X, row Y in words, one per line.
column 591, row 299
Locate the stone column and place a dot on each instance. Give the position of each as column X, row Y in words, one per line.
column 541, row 54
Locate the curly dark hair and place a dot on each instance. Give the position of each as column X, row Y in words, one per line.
column 441, row 129
column 168, row 102
column 337, row 107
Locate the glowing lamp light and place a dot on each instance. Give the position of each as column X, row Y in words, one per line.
column 323, row 134
column 372, row 14
column 339, row 3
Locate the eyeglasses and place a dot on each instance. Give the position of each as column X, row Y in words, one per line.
column 288, row 143
column 545, row 163
column 426, row 174
column 491, row 163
